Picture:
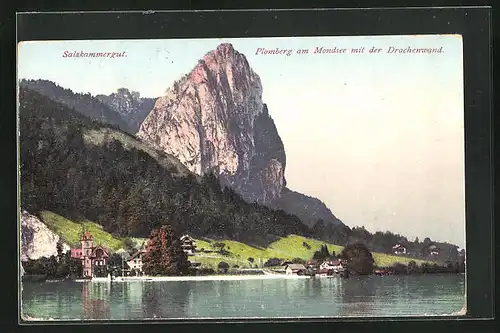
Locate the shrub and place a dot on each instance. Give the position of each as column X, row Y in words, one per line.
column 359, row 258
column 272, row 262
column 223, row 266
column 298, row 261
column 399, row 269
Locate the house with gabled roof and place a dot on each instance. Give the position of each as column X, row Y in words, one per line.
column 297, row 269
column 135, row 261
column 188, row 244
column 399, row 249
column 433, row 250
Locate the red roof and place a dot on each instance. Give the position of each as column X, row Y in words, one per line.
column 87, row 236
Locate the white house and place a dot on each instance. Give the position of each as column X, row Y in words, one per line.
column 188, row 244
column 434, row 251
column 135, row 261
column 335, row 265
column 295, row 269
column 399, row 249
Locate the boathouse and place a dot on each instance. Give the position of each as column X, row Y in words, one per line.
column 295, row 269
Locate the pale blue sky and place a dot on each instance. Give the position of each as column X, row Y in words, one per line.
column 377, row 137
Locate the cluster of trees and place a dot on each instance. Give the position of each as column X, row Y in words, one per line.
column 324, row 254
column 54, row 267
column 126, row 190
column 425, row 268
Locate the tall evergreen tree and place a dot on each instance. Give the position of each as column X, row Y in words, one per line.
column 164, row 254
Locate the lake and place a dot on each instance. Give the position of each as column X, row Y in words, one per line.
column 371, row 296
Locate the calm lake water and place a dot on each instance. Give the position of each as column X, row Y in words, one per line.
column 332, row 297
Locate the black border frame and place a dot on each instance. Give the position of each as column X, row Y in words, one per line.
column 473, row 23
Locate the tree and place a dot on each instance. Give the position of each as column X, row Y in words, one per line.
column 129, row 244
column 251, row 260
column 322, row 254
column 164, row 254
column 298, row 261
column 223, row 266
column 359, row 259
column 115, row 260
column 59, row 247
column 412, row 267
column 272, row 262
column 399, row 268
column 220, row 246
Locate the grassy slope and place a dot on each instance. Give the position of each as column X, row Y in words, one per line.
column 285, row 248
column 70, row 231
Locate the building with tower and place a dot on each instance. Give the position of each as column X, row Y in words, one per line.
column 90, row 255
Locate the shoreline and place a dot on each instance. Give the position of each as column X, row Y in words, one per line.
column 217, row 277
column 195, row 278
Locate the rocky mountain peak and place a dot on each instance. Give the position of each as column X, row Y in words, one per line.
column 206, row 119
column 214, row 119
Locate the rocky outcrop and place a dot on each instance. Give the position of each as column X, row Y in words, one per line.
column 37, row 240
column 130, row 105
column 209, row 120
column 214, row 119
column 85, row 104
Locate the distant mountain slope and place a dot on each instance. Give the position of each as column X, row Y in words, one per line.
column 308, row 209
column 130, row 105
column 85, row 104
column 76, row 167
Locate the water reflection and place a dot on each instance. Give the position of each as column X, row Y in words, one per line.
column 165, row 300
column 337, row 297
column 94, row 300
column 358, row 296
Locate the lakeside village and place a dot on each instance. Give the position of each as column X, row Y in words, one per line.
column 164, row 254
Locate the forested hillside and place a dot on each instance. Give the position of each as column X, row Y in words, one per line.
column 78, row 167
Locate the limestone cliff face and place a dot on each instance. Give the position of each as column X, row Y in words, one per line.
column 214, row 119
column 210, row 121
column 37, row 240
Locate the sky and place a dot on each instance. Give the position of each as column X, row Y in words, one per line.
column 378, row 137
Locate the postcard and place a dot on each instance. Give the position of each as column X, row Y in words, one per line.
column 304, row 177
